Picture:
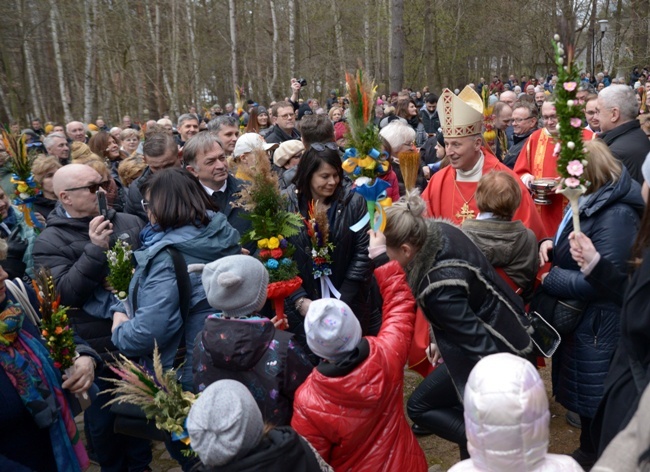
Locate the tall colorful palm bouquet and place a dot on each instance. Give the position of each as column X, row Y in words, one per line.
column 572, row 158
column 158, row 393
column 364, row 161
column 26, row 189
column 271, row 225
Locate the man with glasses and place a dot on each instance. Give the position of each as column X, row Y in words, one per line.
column 285, row 123
column 537, row 160
column 591, row 113
column 524, row 123
column 73, row 246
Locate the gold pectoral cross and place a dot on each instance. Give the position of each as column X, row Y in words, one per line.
column 466, row 213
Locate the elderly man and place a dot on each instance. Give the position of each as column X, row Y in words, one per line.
column 616, row 112
column 524, row 123
column 537, row 160
column 160, row 152
column 285, row 124
column 167, row 124
column 205, row 157
column 226, row 129
column 56, row 145
column 73, row 246
column 76, row 131
column 188, row 126
column 450, row 193
column 128, row 123
column 508, row 97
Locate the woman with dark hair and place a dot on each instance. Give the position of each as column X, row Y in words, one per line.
column 258, row 121
column 609, row 214
column 181, row 217
column 407, row 109
column 319, row 180
column 106, row 147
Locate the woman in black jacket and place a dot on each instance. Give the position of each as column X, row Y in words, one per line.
column 319, row 179
column 629, row 371
column 609, row 214
column 473, row 313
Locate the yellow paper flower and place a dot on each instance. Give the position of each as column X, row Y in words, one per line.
column 274, row 243
column 263, row 243
column 23, row 188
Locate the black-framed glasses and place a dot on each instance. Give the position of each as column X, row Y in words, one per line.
column 145, row 205
column 320, row 147
column 92, row 188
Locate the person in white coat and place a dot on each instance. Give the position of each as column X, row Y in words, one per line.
column 507, row 419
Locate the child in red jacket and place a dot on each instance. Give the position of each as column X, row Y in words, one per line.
column 351, row 408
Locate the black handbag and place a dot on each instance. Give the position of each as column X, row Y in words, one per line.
column 563, row 315
column 130, row 419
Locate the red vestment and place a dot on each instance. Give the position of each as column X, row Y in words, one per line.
column 445, row 196
column 537, row 159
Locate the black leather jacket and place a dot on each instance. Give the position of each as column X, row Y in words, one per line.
column 472, row 311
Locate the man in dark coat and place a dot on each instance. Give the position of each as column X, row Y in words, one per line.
column 429, row 115
column 524, row 123
column 285, row 125
column 206, row 159
column 73, row 246
column 621, row 131
column 160, row 152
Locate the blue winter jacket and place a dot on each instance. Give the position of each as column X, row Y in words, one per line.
column 158, row 316
column 610, row 218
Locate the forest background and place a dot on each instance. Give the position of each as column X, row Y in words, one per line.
column 78, row 59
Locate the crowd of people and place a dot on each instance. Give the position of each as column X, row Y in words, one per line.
column 462, row 255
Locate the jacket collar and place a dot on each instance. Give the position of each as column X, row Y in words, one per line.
column 426, row 257
column 611, row 135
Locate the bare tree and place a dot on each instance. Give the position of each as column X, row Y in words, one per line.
column 60, row 72
column 396, row 67
column 233, row 42
column 89, row 36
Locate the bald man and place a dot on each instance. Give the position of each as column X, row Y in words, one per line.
column 76, row 131
column 509, row 97
column 73, row 246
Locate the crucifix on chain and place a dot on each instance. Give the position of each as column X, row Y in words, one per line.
column 465, row 213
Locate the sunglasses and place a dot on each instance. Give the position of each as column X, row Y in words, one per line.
column 320, row 147
column 92, row 188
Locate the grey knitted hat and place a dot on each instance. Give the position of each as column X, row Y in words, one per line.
column 235, row 285
column 332, row 329
column 224, row 423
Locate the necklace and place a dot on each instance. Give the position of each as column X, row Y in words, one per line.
column 465, row 213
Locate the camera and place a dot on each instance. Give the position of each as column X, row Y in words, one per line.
column 302, row 82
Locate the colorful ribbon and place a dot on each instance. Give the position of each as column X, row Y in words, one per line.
column 355, row 165
column 376, row 200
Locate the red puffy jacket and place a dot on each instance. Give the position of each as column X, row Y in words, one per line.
column 357, row 422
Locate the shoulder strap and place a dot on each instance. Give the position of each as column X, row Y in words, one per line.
column 19, row 292
column 183, row 280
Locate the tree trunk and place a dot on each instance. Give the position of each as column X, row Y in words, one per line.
column 366, row 35
column 396, row 74
column 191, row 26
column 338, row 31
column 274, row 76
column 89, row 39
column 292, row 37
column 54, row 14
column 32, row 79
column 233, row 42
column 428, row 43
column 173, row 87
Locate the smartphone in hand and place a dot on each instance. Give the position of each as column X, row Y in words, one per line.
column 101, row 202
